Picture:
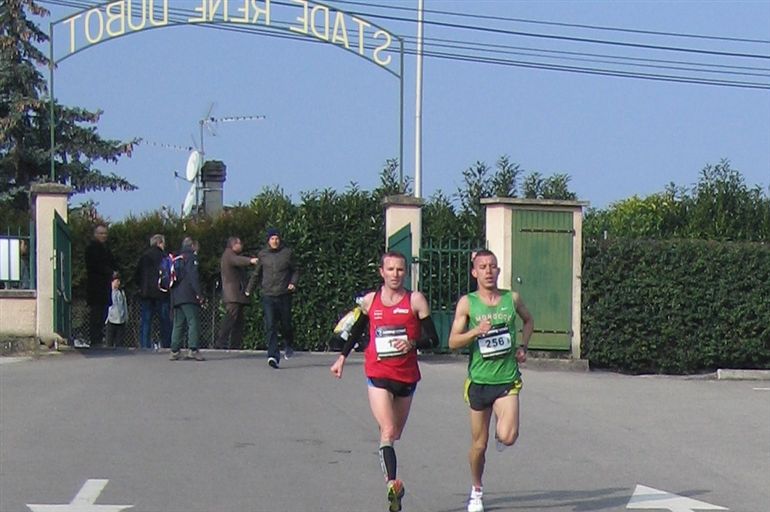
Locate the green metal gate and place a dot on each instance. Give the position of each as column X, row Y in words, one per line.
column 62, row 278
column 445, row 276
column 541, row 271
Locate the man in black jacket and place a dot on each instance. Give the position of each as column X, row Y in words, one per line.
column 154, row 301
column 186, row 300
column 277, row 275
column 99, row 268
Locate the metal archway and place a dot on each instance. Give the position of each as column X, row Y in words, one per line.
column 119, row 18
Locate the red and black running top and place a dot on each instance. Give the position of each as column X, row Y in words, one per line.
column 391, row 322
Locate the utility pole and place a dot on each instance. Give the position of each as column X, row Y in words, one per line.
column 418, row 109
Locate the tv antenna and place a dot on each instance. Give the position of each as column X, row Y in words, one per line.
column 210, row 123
column 207, row 123
column 197, row 155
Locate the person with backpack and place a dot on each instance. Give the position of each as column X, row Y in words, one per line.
column 154, row 302
column 234, row 282
column 186, row 299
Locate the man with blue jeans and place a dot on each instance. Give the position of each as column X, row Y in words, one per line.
column 277, row 275
column 154, row 302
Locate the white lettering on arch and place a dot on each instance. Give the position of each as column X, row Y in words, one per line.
column 116, row 14
column 303, row 19
column 384, row 46
column 340, row 32
column 316, row 8
column 100, row 33
column 361, row 33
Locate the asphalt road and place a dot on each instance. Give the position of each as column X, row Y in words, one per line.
column 232, row 435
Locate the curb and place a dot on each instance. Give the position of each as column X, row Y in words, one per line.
column 535, row 361
column 14, row 359
column 728, row 374
column 565, row 365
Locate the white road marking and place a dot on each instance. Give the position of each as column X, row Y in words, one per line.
column 83, row 501
column 654, row 499
column 761, row 389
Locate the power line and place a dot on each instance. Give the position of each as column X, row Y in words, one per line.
column 583, row 54
column 527, row 64
column 686, row 66
column 485, row 49
column 568, row 38
column 557, row 24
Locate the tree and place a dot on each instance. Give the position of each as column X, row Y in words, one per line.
column 25, row 119
column 391, row 183
column 720, row 206
column 505, row 182
column 554, row 187
column 481, row 181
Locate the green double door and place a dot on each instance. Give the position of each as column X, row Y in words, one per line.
column 541, row 271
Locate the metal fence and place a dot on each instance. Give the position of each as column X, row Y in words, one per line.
column 17, row 262
column 211, row 315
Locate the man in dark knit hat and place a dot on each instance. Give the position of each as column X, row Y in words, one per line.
column 277, row 275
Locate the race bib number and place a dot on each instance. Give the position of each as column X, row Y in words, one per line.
column 385, row 338
column 495, row 342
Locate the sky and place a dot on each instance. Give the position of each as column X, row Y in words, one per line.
column 333, row 117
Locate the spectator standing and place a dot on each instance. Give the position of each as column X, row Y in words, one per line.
column 100, row 265
column 234, row 281
column 277, row 275
column 186, row 301
column 117, row 314
column 154, row 302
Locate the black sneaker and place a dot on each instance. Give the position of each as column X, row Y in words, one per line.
column 273, row 362
column 288, row 353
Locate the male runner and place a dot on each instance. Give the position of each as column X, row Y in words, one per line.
column 399, row 324
column 485, row 322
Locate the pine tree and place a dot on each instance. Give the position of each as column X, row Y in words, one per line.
column 25, row 119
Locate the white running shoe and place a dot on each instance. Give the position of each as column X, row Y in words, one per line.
column 474, row 502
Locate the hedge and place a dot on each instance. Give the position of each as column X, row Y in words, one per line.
column 676, row 306
column 337, row 240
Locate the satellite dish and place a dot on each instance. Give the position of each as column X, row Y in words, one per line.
column 194, row 164
column 189, row 201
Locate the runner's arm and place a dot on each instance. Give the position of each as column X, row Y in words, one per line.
column 526, row 317
column 360, row 325
column 428, row 335
column 458, row 336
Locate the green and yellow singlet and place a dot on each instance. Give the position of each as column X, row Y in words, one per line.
column 493, row 356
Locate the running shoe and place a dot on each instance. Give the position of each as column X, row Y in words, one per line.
column 395, row 493
column 288, row 353
column 474, row 502
column 273, row 362
column 174, row 356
